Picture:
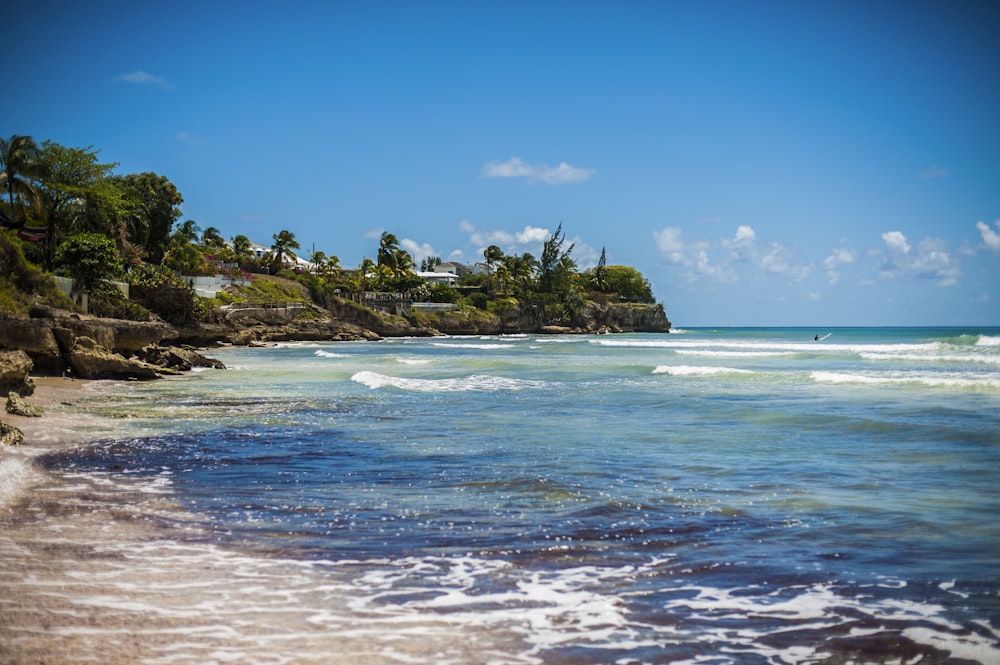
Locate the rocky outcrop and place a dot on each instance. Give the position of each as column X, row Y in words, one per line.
column 10, row 435
column 14, row 369
column 90, row 360
column 623, row 317
column 48, row 340
column 16, row 406
column 177, row 358
column 302, row 331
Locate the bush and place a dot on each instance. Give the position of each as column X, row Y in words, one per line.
column 106, row 301
column 22, row 283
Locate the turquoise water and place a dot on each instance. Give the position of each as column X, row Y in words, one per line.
column 708, row 496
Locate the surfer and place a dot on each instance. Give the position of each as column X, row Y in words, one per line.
column 816, row 338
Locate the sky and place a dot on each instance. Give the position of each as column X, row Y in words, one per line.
column 760, row 163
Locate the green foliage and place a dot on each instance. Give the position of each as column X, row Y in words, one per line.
column 89, row 258
column 281, row 250
column 22, row 283
column 161, row 291
column 153, row 207
column 20, row 166
column 271, row 288
column 443, row 293
column 625, row 282
column 105, row 300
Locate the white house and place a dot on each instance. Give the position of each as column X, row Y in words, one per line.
column 437, row 277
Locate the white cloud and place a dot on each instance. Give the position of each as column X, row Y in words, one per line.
column 840, row 256
column 780, row 260
column 691, row 255
column 515, row 167
column 743, row 247
column 930, row 260
column 744, row 233
column 532, row 234
column 140, row 77
column 896, row 242
column 528, row 239
column 991, row 239
column 189, row 138
column 419, row 251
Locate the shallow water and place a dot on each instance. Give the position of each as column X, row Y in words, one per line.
column 709, row 496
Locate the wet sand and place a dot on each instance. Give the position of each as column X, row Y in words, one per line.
column 105, row 568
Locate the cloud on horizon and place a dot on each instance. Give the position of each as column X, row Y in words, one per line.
column 696, row 256
column 515, row 167
column 139, row 77
column 929, row 260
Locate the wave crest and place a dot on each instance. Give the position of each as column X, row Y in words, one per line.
column 473, row 383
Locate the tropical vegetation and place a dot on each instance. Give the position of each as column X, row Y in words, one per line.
column 66, row 212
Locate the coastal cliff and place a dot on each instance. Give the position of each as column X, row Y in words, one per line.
column 53, row 342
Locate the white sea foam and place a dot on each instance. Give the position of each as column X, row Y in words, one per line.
column 823, row 608
column 414, row 361
column 329, row 354
column 15, row 474
column 750, row 346
column 931, row 380
column 988, row 359
column 473, row 383
column 734, row 354
column 986, row 340
column 694, row 370
column 470, row 345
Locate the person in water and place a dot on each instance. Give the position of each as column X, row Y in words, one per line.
column 816, row 338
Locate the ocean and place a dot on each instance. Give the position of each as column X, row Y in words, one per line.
column 730, row 495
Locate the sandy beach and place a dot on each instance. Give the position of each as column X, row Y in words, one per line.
column 106, row 568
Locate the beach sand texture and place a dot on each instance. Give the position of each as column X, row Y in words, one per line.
column 101, row 568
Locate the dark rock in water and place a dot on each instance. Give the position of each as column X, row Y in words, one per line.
column 10, row 435
column 14, row 368
column 16, row 406
column 90, row 360
column 177, row 358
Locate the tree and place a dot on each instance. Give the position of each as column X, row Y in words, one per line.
column 555, row 266
column 402, row 262
column 366, row 273
column 284, row 243
column 492, row 254
column 76, row 194
column 154, row 205
column 211, row 238
column 388, row 248
column 624, row 281
column 242, row 248
column 90, row 258
column 599, row 278
column 20, row 167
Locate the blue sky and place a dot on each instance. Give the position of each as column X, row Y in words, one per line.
column 761, row 163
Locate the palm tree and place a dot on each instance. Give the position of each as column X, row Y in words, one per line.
column 367, row 271
column 388, row 245
column 402, row 262
column 284, row 243
column 241, row 247
column 211, row 237
column 19, row 164
column 492, row 254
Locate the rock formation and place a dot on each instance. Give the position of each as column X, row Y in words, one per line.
column 14, row 368
column 90, row 360
column 16, row 406
column 10, row 435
